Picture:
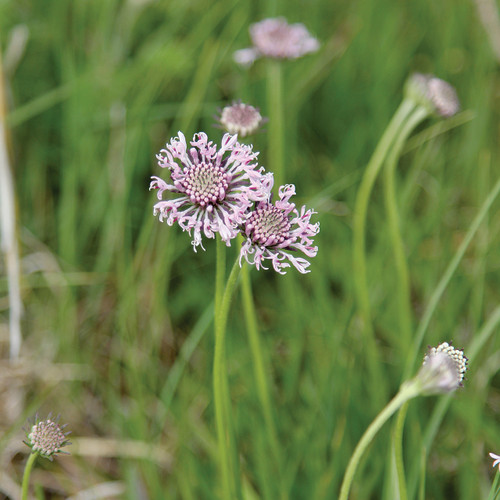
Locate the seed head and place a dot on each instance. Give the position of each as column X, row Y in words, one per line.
column 47, row 437
column 443, row 369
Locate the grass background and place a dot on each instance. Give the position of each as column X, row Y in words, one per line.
column 111, row 296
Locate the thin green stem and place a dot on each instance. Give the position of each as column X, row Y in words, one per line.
column 391, row 207
column 259, row 366
column 445, row 280
column 495, row 490
column 407, row 391
column 220, row 272
column 229, row 468
column 397, row 447
column 26, row 475
column 276, row 121
column 359, row 228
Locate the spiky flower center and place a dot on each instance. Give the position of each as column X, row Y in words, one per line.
column 47, row 437
column 205, row 184
column 268, row 226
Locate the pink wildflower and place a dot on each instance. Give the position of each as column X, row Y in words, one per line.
column 277, row 39
column 215, row 186
column 277, row 232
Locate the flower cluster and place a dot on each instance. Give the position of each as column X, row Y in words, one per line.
column 47, row 437
column 224, row 191
column 276, row 39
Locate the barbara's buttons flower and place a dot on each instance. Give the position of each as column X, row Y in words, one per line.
column 47, row 437
column 278, row 232
column 213, row 187
column 241, row 119
column 443, row 369
column 277, row 39
column 433, row 93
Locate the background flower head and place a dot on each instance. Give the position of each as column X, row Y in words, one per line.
column 433, row 93
column 240, row 118
column 275, row 38
column 213, row 187
column 47, row 437
column 277, row 232
column 443, row 369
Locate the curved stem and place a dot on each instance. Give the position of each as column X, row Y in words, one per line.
column 26, row 476
column 407, row 391
column 359, row 227
column 229, row 467
column 276, row 120
column 391, row 207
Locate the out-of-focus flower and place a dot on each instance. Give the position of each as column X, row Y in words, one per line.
column 215, row 187
column 277, row 39
column 433, row 93
column 442, row 371
column 496, row 460
column 47, row 437
column 241, row 119
column 278, row 232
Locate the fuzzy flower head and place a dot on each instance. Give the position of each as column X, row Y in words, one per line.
column 433, row 93
column 241, row 119
column 213, row 187
column 496, row 460
column 277, row 39
column 277, row 232
column 47, row 437
column 443, row 369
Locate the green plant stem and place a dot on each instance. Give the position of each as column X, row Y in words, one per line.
column 26, row 476
column 276, row 121
column 359, row 227
column 448, row 274
column 397, row 447
column 494, row 487
column 259, row 366
column 391, row 207
column 407, row 391
column 229, row 468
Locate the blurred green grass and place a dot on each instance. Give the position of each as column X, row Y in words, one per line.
column 98, row 91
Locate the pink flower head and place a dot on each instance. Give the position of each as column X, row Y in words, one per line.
column 277, row 232
column 240, row 118
column 215, row 187
column 277, row 39
column 496, row 460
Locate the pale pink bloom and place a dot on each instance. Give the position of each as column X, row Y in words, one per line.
column 433, row 93
column 496, row 459
column 213, row 187
column 278, row 232
column 241, row 119
column 277, row 39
